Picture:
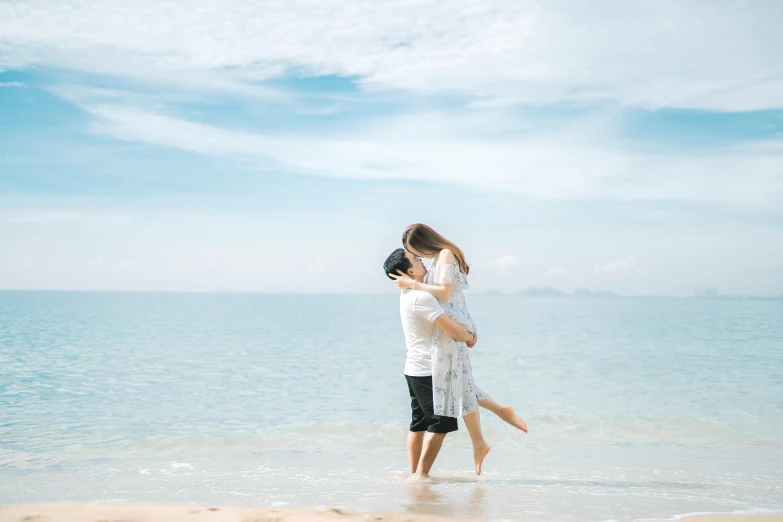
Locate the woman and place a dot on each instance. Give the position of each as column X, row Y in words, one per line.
column 455, row 394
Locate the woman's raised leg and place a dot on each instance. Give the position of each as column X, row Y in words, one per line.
column 480, row 446
column 506, row 413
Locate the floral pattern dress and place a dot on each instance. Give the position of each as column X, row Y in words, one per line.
column 455, row 394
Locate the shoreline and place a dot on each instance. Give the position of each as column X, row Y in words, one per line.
column 160, row 512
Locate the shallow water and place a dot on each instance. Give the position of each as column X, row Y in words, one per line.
column 638, row 408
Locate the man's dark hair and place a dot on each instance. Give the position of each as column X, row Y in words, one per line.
column 397, row 261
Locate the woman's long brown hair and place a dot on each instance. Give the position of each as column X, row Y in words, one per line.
column 425, row 240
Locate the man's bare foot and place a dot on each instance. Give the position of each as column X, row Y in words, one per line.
column 478, row 456
column 509, row 415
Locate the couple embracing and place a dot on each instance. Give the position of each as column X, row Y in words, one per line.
column 438, row 334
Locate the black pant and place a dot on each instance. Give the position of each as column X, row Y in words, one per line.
column 423, row 416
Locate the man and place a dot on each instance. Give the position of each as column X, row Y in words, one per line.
column 421, row 314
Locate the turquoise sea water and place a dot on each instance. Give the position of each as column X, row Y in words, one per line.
column 638, row 408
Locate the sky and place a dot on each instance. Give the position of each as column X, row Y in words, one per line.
column 283, row 146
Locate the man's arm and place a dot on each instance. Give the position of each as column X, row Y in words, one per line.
column 428, row 308
column 455, row 330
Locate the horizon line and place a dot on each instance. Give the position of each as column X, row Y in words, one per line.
column 590, row 294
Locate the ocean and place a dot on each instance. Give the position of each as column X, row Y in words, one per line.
column 637, row 408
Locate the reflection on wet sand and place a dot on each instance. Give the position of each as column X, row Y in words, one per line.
column 425, row 500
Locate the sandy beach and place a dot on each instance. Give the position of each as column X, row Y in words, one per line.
column 733, row 518
column 151, row 512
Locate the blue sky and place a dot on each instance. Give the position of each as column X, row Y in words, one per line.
column 221, row 146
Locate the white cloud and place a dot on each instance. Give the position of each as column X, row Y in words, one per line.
column 45, row 217
column 18, row 85
column 556, row 270
column 61, row 217
column 621, row 266
column 506, row 261
column 97, row 263
column 496, row 54
column 503, row 262
column 123, row 265
column 231, row 251
column 718, row 55
column 579, row 161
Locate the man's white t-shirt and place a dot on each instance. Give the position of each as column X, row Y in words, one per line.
column 418, row 311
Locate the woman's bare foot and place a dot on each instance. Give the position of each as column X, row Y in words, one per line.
column 509, row 415
column 478, row 456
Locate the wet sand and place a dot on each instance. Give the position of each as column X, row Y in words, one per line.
column 131, row 512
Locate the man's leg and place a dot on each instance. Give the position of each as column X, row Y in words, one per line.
column 437, row 427
column 415, row 443
column 432, row 444
column 419, row 424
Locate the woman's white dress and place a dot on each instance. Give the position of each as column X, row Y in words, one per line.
column 455, row 394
